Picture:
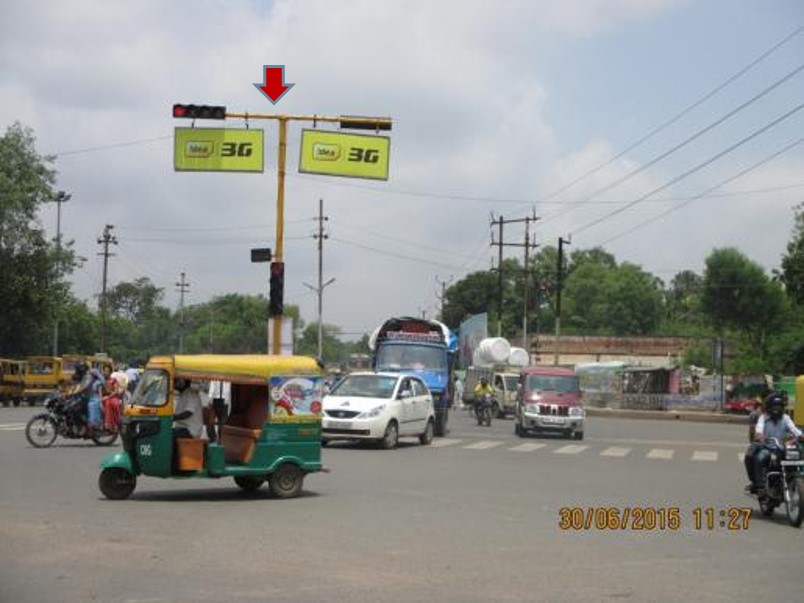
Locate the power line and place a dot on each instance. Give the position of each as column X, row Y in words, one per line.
column 695, row 169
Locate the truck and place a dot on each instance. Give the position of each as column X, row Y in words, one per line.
column 503, row 378
column 423, row 347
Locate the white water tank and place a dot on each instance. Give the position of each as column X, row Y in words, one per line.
column 492, row 350
column 519, row 357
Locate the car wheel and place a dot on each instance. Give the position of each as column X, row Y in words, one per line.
column 578, row 435
column 391, row 437
column 518, row 430
column 427, row 437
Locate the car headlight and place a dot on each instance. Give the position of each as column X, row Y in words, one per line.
column 374, row 412
column 576, row 411
column 531, row 409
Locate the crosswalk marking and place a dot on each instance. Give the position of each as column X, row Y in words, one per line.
column 615, row 451
column 442, row 442
column 570, row 449
column 704, row 455
column 527, row 447
column 12, row 427
column 483, row 445
column 660, row 453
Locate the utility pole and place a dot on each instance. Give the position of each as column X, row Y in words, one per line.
column 182, row 287
column 559, row 283
column 525, row 288
column 105, row 240
column 527, row 220
column 61, row 197
column 443, row 295
column 320, row 289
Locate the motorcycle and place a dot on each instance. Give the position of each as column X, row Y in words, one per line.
column 483, row 409
column 43, row 428
column 784, row 481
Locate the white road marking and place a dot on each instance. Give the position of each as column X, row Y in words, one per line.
column 527, row 447
column 482, row 445
column 12, row 426
column 570, row 449
column 704, row 455
column 442, row 442
column 660, row 453
column 615, row 451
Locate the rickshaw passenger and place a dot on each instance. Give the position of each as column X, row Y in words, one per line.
column 188, row 420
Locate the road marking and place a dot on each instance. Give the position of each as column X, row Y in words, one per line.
column 660, row 453
column 12, row 426
column 615, row 451
column 704, row 455
column 442, row 442
column 527, row 447
column 482, row 445
column 570, row 449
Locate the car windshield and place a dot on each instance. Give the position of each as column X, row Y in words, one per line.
column 152, row 389
column 552, row 383
column 511, row 382
column 365, row 386
column 412, row 357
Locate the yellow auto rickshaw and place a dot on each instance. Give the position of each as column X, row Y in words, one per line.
column 270, row 430
column 798, row 405
column 12, row 381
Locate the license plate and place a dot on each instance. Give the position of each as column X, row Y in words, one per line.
column 553, row 420
column 332, row 424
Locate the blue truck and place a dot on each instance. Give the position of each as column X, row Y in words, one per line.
column 424, row 347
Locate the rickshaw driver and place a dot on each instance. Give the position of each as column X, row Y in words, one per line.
column 188, row 420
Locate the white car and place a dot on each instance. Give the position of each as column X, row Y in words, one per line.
column 378, row 406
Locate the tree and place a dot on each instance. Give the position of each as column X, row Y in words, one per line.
column 32, row 274
column 738, row 295
column 792, row 273
column 683, row 301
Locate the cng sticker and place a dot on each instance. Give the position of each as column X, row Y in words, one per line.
column 146, row 450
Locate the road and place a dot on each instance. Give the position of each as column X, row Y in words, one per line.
column 474, row 517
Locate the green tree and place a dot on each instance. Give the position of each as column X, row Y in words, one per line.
column 792, row 272
column 683, row 302
column 737, row 295
column 32, row 274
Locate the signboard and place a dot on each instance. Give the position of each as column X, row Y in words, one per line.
column 342, row 154
column 218, row 150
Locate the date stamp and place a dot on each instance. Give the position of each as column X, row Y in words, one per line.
column 653, row 519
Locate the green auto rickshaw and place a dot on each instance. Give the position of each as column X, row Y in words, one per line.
column 269, row 430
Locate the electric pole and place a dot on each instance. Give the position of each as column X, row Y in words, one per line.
column 559, row 283
column 500, row 244
column 182, row 287
column 105, row 240
column 61, row 197
column 443, row 295
column 320, row 289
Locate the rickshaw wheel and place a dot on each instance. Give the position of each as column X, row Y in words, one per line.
column 249, row 483
column 286, row 481
column 116, row 483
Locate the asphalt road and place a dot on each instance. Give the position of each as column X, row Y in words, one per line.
column 474, row 517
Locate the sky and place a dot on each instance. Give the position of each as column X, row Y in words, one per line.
column 658, row 129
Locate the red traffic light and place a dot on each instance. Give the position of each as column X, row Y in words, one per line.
column 199, row 111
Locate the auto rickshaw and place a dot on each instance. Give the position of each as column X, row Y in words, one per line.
column 271, row 430
column 12, row 384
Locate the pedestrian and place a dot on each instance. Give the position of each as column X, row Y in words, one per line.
column 458, row 389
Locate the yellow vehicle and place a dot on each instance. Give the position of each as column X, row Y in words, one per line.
column 43, row 375
column 12, row 383
column 70, row 361
column 271, row 431
column 798, row 408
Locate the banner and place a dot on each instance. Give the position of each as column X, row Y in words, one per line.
column 472, row 331
column 218, row 150
column 341, row 154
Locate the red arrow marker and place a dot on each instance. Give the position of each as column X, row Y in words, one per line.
column 273, row 85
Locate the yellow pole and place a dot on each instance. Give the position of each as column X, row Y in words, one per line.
column 280, row 219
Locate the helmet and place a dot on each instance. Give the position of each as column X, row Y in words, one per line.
column 484, row 380
column 774, row 404
column 79, row 371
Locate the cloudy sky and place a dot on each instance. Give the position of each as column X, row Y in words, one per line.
column 659, row 129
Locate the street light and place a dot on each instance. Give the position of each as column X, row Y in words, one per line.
column 61, row 197
column 320, row 291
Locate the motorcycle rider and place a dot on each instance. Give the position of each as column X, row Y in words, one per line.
column 775, row 423
column 85, row 394
column 481, row 389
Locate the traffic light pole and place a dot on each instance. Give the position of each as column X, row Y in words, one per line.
column 365, row 123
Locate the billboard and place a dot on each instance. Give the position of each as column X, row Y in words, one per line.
column 341, row 154
column 218, row 150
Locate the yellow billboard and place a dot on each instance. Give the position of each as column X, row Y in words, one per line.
column 341, row 154
column 218, row 150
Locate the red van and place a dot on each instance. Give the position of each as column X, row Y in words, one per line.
column 549, row 400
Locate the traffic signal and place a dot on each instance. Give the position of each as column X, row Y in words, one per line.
column 199, row 112
column 275, row 303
